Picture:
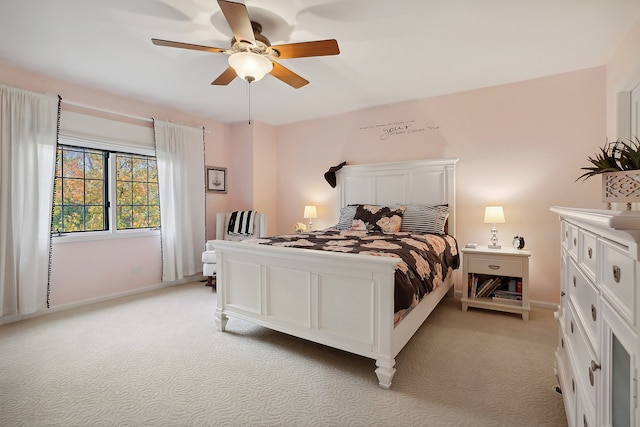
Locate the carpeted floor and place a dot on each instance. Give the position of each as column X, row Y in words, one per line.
column 157, row 360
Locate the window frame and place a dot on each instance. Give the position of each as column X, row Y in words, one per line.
column 113, row 148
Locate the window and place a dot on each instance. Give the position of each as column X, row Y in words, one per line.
column 137, row 196
column 84, row 192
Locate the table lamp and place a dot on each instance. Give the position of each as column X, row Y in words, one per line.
column 494, row 215
column 309, row 213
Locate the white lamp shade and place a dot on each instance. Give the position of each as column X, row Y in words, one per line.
column 310, row 212
column 250, row 66
column 494, row 215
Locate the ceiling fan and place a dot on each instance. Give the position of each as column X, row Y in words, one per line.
column 251, row 53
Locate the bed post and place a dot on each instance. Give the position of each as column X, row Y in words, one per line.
column 221, row 320
column 385, row 371
column 221, row 287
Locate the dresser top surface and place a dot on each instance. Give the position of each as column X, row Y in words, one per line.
column 617, row 220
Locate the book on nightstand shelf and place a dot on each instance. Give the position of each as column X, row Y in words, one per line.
column 488, row 286
column 507, row 297
column 501, row 289
column 507, row 300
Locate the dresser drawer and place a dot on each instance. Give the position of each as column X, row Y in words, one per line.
column 565, row 377
column 582, row 354
column 584, row 298
column 570, row 238
column 587, row 249
column 618, row 276
column 500, row 267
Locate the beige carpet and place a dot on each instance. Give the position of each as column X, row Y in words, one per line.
column 157, row 360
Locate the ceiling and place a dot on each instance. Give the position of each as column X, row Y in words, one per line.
column 390, row 51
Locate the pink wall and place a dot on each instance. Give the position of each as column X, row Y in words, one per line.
column 265, row 188
column 252, row 182
column 520, row 145
column 623, row 74
column 83, row 271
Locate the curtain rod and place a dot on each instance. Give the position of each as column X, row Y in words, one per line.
column 103, row 110
column 116, row 113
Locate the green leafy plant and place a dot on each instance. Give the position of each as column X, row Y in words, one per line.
column 614, row 157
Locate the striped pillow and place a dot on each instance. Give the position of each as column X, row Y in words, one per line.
column 422, row 219
column 346, row 217
column 241, row 222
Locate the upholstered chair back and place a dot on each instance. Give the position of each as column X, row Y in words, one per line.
column 222, row 227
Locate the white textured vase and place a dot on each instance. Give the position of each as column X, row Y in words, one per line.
column 621, row 187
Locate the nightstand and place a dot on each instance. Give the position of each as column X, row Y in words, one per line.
column 496, row 279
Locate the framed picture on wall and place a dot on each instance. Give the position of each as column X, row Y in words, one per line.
column 216, row 179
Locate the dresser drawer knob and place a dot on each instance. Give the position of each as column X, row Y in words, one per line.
column 574, row 281
column 594, row 313
column 494, row 267
column 590, row 253
column 575, row 242
column 572, row 326
column 616, row 273
column 594, row 367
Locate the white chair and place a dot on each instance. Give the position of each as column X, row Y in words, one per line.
column 209, row 262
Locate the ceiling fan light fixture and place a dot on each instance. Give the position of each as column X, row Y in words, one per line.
column 250, row 66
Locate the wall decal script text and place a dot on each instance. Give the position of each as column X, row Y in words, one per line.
column 398, row 128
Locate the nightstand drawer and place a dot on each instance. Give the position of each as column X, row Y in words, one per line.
column 502, row 267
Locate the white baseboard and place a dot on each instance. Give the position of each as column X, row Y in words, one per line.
column 88, row 301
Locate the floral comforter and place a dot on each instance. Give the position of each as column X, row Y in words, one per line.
column 427, row 259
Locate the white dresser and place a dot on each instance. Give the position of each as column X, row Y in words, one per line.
column 596, row 359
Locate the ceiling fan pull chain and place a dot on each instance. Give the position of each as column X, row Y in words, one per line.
column 249, row 99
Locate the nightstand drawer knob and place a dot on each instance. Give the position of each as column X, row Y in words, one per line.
column 616, row 273
column 594, row 313
column 494, row 267
column 590, row 253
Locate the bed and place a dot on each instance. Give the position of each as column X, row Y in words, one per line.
column 342, row 300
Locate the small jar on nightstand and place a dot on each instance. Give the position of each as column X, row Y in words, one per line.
column 496, row 279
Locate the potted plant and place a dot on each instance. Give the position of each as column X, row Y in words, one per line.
column 619, row 164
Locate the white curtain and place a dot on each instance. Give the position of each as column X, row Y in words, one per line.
column 28, row 134
column 180, row 155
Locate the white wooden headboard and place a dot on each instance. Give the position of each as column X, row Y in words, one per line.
column 424, row 182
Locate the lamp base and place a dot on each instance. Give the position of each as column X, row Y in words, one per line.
column 494, row 247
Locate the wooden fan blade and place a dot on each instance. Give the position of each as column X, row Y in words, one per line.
column 238, row 18
column 225, row 78
column 168, row 43
column 287, row 76
column 306, row 49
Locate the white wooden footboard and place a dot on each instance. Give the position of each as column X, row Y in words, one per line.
column 344, row 301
